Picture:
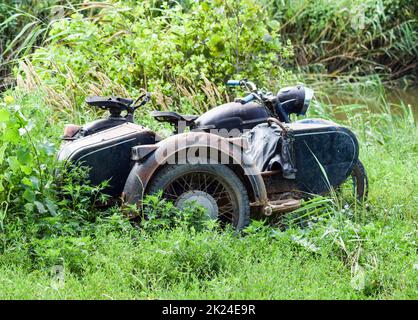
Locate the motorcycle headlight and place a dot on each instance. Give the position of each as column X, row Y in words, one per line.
column 295, row 99
column 308, row 97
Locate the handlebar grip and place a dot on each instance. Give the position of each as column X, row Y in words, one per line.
column 247, row 99
column 233, row 83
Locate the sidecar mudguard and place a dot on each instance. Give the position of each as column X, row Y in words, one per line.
column 192, row 148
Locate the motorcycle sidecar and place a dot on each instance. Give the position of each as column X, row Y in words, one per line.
column 312, row 155
column 107, row 154
column 325, row 154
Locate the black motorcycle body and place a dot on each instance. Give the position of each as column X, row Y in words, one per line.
column 232, row 116
column 305, row 157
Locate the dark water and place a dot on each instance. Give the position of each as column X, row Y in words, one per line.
column 408, row 97
column 391, row 100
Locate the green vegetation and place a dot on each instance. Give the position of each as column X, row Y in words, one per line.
column 196, row 50
column 23, row 26
column 351, row 37
column 63, row 247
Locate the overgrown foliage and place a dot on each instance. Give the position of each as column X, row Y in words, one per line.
column 24, row 25
column 322, row 251
column 355, row 37
column 71, row 249
column 183, row 56
column 25, row 162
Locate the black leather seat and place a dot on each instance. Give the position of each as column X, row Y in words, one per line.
column 109, row 102
column 173, row 117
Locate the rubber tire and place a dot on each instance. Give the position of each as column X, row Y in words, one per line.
column 362, row 187
column 170, row 172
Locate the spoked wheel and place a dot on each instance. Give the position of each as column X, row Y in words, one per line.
column 215, row 187
column 356, row 186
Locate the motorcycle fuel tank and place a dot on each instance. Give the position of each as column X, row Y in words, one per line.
column 107, row 154
column 232, row 116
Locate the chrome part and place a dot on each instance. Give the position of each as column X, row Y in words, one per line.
column 250, row 86
column 308, row 97
column 200, row 197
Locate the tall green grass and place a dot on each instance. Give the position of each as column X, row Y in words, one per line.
column 325, row 251
column 24, row 26
column 343, row 40
column 64, row 248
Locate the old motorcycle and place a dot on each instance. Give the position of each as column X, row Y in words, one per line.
column 238, row 160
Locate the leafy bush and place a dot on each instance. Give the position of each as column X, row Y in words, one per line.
column 180, row 55
column 30, row 206
column 26, row 158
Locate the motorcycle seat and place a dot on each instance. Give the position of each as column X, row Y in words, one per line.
column 173, row 117
column 109, row 102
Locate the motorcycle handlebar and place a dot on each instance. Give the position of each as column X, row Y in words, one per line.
column 245, row 83
column 146, row 97
column 250, row 86
column 233, row 83
column 247, row 99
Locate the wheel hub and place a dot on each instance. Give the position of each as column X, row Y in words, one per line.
column 200, row 197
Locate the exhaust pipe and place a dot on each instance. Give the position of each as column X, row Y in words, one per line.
column 281, row 206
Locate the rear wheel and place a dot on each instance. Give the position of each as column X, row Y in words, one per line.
column 357, row 185
column 215, row 187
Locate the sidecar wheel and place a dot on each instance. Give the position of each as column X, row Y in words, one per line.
column 216, row 187
column 362, row 182
column 357, row 183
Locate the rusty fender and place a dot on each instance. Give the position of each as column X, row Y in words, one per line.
column 182, row 149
